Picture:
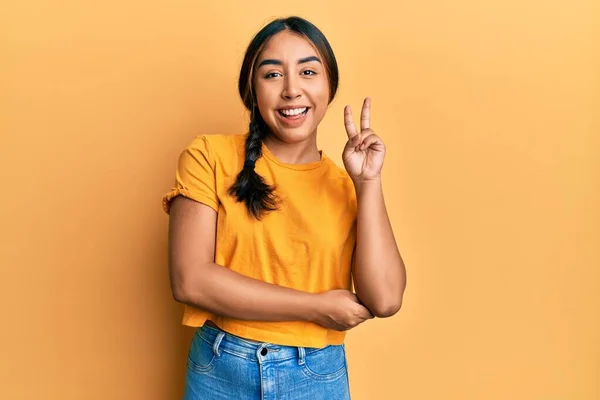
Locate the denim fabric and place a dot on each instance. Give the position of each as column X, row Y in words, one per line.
column 223, row 366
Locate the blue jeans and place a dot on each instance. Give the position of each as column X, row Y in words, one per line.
column 223, row 366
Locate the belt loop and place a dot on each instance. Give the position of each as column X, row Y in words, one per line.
column 217, row 343
column 301, row 355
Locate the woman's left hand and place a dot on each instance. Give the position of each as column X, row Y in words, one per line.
column 364, row 152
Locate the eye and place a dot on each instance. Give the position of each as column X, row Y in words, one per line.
column 272, row 75
column 309, row 72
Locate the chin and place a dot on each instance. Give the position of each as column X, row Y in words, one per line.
column 295, row 135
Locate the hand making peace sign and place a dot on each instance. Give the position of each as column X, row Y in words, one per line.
column 364, row 152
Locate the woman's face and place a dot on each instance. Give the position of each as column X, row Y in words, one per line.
column 291, row 87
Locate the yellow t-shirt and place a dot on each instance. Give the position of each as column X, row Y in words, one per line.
column 307, row 244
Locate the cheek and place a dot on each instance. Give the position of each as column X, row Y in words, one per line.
column 323, row 93
column 321, row 107
column 262, row 100
column 322, row 97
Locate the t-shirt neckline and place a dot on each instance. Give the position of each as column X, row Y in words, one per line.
column 299, row 167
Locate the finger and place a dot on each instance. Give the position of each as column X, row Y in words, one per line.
column 357, row 323
column 349, row 123
column 369, row 141
column 367, row 314
column 363, row 313
column 365, row 115
column 338, row 326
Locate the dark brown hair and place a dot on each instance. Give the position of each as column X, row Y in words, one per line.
column 249, row 187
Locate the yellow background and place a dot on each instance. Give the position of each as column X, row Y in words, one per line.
column 490, row 113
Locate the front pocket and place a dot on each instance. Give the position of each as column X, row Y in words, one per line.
column 201, row 357
column 328, row 363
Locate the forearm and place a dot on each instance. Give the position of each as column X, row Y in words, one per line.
column 227, row 293
column 379, row 273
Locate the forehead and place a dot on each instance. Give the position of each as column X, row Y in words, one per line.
column 287, row 45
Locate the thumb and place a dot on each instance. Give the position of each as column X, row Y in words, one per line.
column 363, row 312
column 367, row 314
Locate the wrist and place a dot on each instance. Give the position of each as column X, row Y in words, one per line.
column 313, row 307
column 361, row 184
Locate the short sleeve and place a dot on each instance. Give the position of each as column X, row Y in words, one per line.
column 195, row 175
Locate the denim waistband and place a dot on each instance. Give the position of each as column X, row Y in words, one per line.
column 222, row 341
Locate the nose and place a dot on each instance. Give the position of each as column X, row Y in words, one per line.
column 291, row 87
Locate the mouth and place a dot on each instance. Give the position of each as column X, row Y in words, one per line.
column 293, row 113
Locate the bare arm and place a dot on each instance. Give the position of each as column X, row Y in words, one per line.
column 378, row 270
column 379, row 273
column 197, row 281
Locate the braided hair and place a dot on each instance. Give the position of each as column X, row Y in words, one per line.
column 250, row 188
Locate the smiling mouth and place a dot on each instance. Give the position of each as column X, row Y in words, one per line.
column 293, row 113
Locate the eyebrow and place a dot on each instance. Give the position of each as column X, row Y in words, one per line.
column 270, row 61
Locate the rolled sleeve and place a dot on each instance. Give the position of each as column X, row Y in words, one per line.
column 195, row 176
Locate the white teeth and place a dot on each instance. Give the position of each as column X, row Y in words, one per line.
column 294, row 111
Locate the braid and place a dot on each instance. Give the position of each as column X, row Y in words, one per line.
column 249, row 187
column 254, row 143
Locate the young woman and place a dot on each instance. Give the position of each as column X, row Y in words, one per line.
column 267, row 234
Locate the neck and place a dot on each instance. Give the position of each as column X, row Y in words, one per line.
column 302, row 152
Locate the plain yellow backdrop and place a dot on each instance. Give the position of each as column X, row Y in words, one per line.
column 490, row 112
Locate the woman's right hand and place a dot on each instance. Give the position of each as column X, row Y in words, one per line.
column 340, row 310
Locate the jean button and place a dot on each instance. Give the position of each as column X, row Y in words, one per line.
column 264, row 352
